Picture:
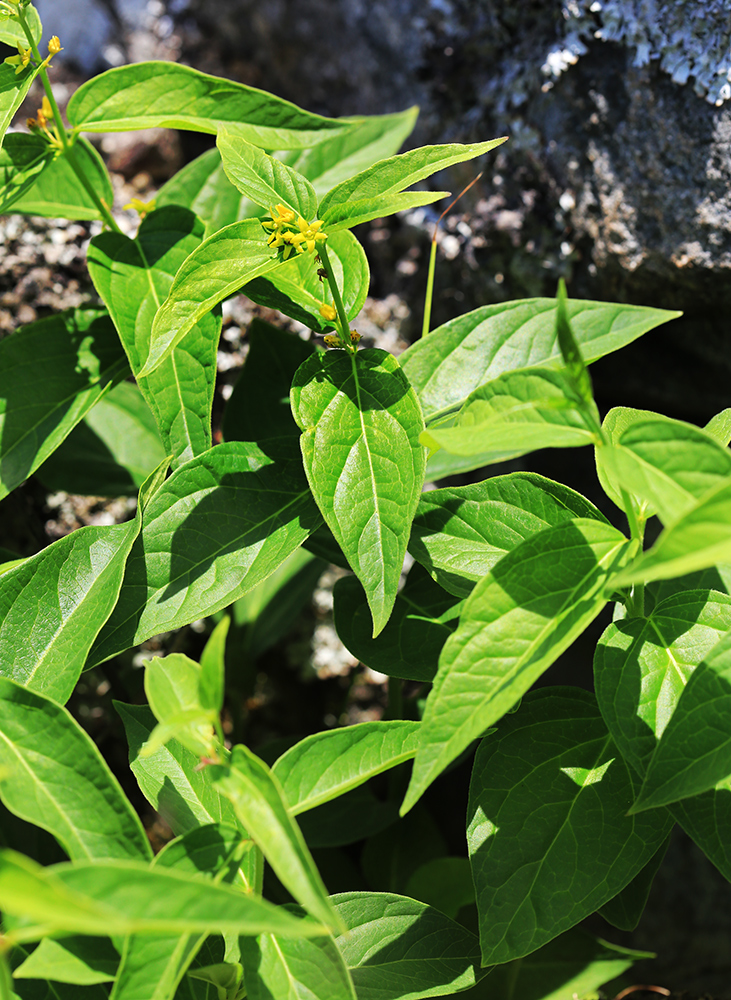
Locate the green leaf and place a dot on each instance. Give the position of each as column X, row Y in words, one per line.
column 706, row 819
column 214, row 271
column 134, row 277
column 627, row 907
column 617, row 420
column 325, row 765
column 460, row 532
column 76, row 582
column 700, row 538
column 153, row 966
column 184, row 795
column 641, row 667
column 570, row 352
column 667, row 463
column 550, row 774
column 260, row 805
column 370, row 139
column 58, row 192
column 719, row 426
column 465, row 353
column 445, row 883
column 263, row 178
column 297, row 290
column 411, row 641
column 168, row 95
column 76, row 357
column 400, row 949
column 12, row 93
column 111, row 452
column 22, row 158
column 516, row 413
column 218, row 526
column 11, row 31
column 54, row 777
column 118, row 897
column 295, row 970
column 514, row 625
column 213, row 668
column 75, row 959
column 568, row 967
column 378, row 190
column 361, row 422
column 172, row 686
column 694, row 753
column 259, row 404
column 203, row 187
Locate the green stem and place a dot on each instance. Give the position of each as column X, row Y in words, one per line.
column 429, row 288
column 6, row 979
column 258, row 885
column 636, row 601
column 68, row 149
column 343, row 323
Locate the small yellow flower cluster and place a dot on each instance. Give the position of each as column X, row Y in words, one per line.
column 24, row 56
column 21, row 60
column 328, row 312
column 334, row 340
column 44, row 115
column 291, row 232
column 141, row 207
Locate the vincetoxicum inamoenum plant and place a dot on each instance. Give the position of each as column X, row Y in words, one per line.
column 572, row 795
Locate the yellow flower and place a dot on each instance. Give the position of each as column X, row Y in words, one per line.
column 281, row 216
column 139, row 206
column 309, row 234
column 21, row 60
column 328, row 312
column 44, row 113
column 54, row 46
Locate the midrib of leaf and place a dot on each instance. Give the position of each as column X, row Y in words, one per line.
column 172, row 766
column 214, row 553
column 65, row 622
column 604, row 748
column 549, row 627
column 173, row 360
column 43, row 789
column 667, row 647
column 292, row 981
column 667, row 481
column 374, row 491
column 110, row 372
column 173, row 972
column 312, row 801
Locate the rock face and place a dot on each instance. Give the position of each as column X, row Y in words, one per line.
column 616, row 177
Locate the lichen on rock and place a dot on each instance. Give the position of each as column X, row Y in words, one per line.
column 689, row 38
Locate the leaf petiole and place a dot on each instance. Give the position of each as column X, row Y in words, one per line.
column 343, row 323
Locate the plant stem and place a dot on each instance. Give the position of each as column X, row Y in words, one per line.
column 636, row 602
column 342, row 315
column 429, row 286
column 6, row 978
column 67, row 147
column 258, row 886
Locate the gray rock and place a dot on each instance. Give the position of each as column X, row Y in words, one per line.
column 617, row 172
